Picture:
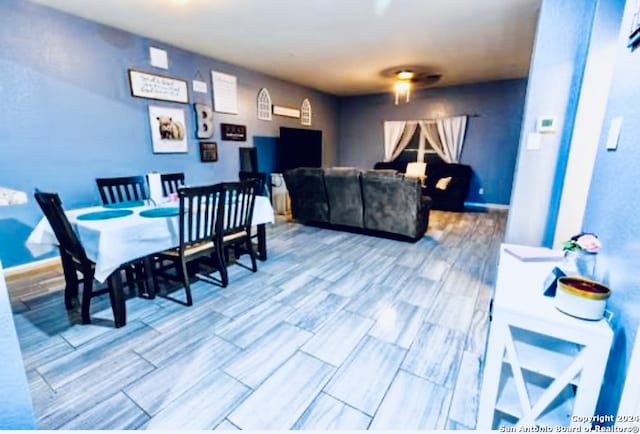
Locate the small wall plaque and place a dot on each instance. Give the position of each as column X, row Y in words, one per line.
column 236, row 133
column 289, row 112
column 208, row 152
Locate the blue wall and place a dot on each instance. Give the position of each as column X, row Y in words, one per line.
column 555, row 78
column 67, row 115
column 613, row 209
column 491, row 141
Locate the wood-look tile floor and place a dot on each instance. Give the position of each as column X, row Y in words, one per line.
column 335, row 331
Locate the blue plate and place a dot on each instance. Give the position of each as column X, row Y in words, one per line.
column 104, row 215
column 160, row 212
column 127, row 204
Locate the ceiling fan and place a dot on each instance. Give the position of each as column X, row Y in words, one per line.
column 408, row 77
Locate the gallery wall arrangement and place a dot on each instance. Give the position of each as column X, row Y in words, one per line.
column 168, row 124
column 79, row 81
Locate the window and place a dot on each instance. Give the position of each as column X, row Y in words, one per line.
column 264, row 105
column 305, row 113
column 412, row 151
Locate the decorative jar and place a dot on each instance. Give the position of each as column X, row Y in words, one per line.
column 579, row 263
column 582, row 298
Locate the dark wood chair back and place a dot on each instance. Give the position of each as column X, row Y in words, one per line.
column 122, row 189
column 199, row 211
column 171, row 182
column 261, row 179
column 51, row 206
column 240, row 199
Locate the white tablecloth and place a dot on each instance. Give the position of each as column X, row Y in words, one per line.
column 112, row 242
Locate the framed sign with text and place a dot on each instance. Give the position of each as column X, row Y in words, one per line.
column 236, row 133
column 158, row 87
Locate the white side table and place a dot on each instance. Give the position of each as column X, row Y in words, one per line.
column 542, row 367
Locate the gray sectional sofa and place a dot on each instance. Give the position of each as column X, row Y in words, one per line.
column 375, row 201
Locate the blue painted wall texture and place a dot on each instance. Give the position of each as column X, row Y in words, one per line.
column 613, row 209
column 491, row 140
column 67, row 116
column 555, row 77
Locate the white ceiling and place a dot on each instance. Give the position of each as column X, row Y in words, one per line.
column 337, row 46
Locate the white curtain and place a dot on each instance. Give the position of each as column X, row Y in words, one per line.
column 446, row 136
column 397, row 135
column 429, row 131
column 409, row 129
column 392, row 134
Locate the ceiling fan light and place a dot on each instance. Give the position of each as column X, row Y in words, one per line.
column 402, row 87
column 405, row 75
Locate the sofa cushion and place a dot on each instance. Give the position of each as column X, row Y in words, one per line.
column 308, row 194
column 443, row 183
column 344, row 195
column 393, row 204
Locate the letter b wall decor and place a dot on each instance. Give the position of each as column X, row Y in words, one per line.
column 204, row 119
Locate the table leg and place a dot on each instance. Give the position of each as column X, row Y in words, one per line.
column 262, row 242
column 117, row 300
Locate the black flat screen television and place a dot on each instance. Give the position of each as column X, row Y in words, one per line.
column 298, row 147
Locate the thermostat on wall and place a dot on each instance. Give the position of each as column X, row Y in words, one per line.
column 546, row 124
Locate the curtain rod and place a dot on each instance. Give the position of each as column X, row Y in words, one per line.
column 471, row 115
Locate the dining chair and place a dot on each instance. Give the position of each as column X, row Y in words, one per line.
column 235, row 228
column 122, row 189
column 171, row 182
column 74, row 259
column 199, row 220
column 262, row 189
column 261, row 178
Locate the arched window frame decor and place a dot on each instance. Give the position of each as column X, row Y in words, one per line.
column 305, row 113
column 264, row 105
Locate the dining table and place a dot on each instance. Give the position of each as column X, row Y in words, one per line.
column 131, row 231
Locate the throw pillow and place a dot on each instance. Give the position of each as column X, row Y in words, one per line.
column 443, row 183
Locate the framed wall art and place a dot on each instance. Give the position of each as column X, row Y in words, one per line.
column 236, row 133
column 158, row 87
column 264, row 105
column 208, row 152
column 168, row 130
column 225, row 92
column 305, row 113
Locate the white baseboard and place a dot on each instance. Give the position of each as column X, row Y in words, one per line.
column 478, row 205
column 31, row 266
